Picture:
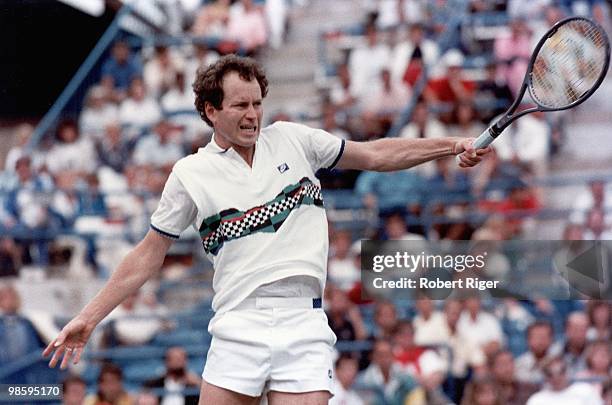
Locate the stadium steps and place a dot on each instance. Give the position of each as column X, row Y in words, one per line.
column 291, row 68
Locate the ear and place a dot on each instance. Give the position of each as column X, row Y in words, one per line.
column 211, row 112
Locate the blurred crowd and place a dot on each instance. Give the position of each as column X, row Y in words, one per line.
column 85, row 194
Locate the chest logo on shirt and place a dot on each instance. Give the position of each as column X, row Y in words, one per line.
column 283, row 168
column 232, row 223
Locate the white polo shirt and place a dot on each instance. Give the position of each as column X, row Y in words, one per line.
column 258, row 224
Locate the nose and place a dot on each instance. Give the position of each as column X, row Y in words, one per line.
column 251, row 112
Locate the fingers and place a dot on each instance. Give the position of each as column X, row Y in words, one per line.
column 466, row 160
column 77, row 355
column 56, row 356
column 68, row 353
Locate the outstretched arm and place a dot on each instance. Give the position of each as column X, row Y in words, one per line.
column 390, row 154
column 136, row 268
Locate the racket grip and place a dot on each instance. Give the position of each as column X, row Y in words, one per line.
column 482, row 141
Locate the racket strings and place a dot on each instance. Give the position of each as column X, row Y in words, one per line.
column 569, row 64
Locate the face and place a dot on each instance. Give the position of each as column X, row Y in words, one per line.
column 383, row 355
column 576, row 329
column 346, row 371
column 452, row 310
column 503, row 367
column 238, row 122
column 176, row 359
column 75, row 393
column 386, row 317
column 539, row 340
column 110, row 386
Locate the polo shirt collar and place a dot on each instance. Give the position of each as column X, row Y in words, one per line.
column 214, row 147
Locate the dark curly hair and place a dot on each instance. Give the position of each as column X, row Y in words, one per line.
column 208, row 84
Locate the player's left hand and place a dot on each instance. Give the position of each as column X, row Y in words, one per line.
column 467, row 155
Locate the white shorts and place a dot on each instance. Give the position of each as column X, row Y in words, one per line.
column 285, row 349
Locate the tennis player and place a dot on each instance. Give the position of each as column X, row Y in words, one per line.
column 253, row 195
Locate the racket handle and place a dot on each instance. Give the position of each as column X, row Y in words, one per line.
column 481, row 142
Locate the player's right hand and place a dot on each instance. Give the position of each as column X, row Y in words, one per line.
column 69, row 343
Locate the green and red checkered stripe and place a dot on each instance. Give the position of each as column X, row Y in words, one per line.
column 232, row 224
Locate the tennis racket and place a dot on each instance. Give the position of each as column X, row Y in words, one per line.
column 567, row 65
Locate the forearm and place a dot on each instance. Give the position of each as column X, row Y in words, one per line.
column 136, row 268
column 398, row 153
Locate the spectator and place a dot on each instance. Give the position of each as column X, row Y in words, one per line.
column 98, row 113
column 467, row 123
column 176, row 379
column 28, row 209
column 341, row 268
column 346, row 372
column 74, row 390
column 428, row 323
column 482, row 392
column 409, row 56
column 511, row 390
column 386, row 375
column 202, row 56
column 120, row 69
column 423, row 125
column 599, row 365
column 480, row 327
column 385, row 102
column 139, row 110
column 276, row 12
column 366, row 62
column 466, row 354
column 559, row 390
column 177, row 105
column 600, row 319
column 18, row 337
column 211, row 19
column 10, row 257
column 451, row 88
column 160, row 71
column 395, row 228
column 576, row 327
column 385, row 319
column 110, row 388
column 159, row 149
column 425, row 365
column 23, row 135
column 595, row 227
column 113, row 149
column 512, row 53
column 135, row 322
column 595, row 197
column 493, row 95
column 247, row 26
column 72, row 156
column 341, row 93
column 540, row 349
column 343, row 316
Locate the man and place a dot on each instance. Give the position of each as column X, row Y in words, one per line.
column 176, row 379
column 346, row 371
column 540, row 343
column 74, row 390
column 513, row 392
column 254, row 197
column 559, row 391
column 576, row 327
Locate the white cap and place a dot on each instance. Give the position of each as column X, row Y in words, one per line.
column 453, row 57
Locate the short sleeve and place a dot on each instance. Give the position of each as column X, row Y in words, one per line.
column 322, row 149
column 176, row 210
